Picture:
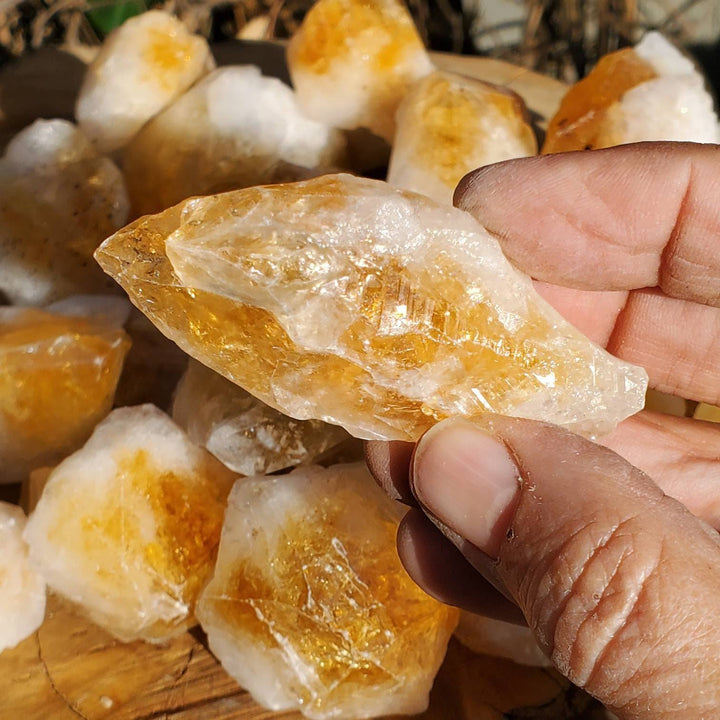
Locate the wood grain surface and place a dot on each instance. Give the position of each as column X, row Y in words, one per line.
column 72, row 669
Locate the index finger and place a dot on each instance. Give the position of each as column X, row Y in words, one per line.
column 628, row 217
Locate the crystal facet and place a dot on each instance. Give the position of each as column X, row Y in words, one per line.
column 344, row 300
column 142, row 66
column 128, row 526
column 57, row 381
column 234, row 129
column 22, row 589
column 58, row 201
column 309, row 606
column 352, row 61
column 241, row 431
column 448, row 125
column 650, row 92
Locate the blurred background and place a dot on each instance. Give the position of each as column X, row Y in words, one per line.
column 561, row 38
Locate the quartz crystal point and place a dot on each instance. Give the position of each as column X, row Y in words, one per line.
column 57, row 381
column 232, row 130
column 448, row 125
column 142, row 66
column 353, row 61
column 58, row 201
column 649, row 92
column 22, row 589
column 309, row 606
column 128, row 526
column 344, row 300
column 488, row 636
column 248, row 436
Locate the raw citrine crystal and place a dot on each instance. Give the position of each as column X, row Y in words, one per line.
column 649, row 92
column 352, row 61
column 142, row 66
column 58, row 200
column 248, row 436
column 234, row 129
column 22, row 589
column 128, row 526
column 344, row 300
column 58, row 376
column 309, row 606
column 448, row 125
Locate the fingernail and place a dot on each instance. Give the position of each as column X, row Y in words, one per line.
column 468, row 481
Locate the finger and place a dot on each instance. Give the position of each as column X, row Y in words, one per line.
column 438, row 567
column 676, row 341
column 620, row 584
column 633, row 216
column 389, row 463
column 681, row 455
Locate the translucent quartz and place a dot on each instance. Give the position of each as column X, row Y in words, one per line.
column 57, row 381
column 241, row 431
column 233, row 129
column 449, row 125
column 344, row 300
column 487, row 636
column 142, row 66
column 309, row 606
column 22, row 589
column 650, row 92
column 58, row 201
column 128, row 526
column 352, row 61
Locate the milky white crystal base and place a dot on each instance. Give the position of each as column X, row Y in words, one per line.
column 99, row 533
column 22, row 589
column 233, row 129
column 142, row 66
column 58, row 201
column 309, row 599
column 246, row 435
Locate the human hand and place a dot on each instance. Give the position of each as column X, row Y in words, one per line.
column 619, row 582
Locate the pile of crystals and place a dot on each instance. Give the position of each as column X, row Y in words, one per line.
column 318, row 308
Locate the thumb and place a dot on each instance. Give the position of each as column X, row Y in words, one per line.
column 620, row 583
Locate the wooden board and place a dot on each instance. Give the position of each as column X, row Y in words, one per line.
column 72, row 669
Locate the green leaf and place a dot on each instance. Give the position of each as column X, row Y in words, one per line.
column 106, row 15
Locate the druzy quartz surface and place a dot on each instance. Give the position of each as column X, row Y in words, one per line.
column 309, row 606
column 376, row 309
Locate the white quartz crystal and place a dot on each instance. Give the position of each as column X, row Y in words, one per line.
column 128, row 526
column 244, row 433
column 310, row 608
column 142, row 66
column 673, row 106
column 353, row 61
column 448, row 125
column 488, row 636
column 22, row 589
column 234, row 129
column 58, row 200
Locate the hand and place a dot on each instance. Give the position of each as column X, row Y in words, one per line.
column 619, row 581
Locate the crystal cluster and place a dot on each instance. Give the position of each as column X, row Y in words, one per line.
column 142, row 66
column 353, row 61
column 128, row 526
column 234, row 129
column 22, row 589
column 448, row 125
column 309, row 606
column 58, row 375
column 244, row 433
column 58, row 200
column 344, row 300
column 650, row 92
